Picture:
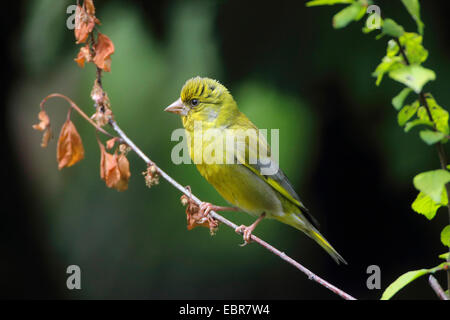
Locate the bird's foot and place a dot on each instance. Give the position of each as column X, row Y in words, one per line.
column 206, row 207
column 247, row 231
column 199, row 215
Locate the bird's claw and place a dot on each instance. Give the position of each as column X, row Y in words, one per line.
column 246, row 234
column 198, row 215
column 205, row 208
column 247, row 231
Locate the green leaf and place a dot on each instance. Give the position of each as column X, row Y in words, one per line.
column 413, row 76
column 431, row 137
column 445, row 236
column 426, row 206
column 387, row 64
column 402, row 281
column 432, row 183
column 413, row 8
column 440, row 115
column 412, row 43
column 407, row 278
column 417, row 122
column 392, row 28
column 366, row 30
column 347, row 15
column 392, row 48
column 327, row 2
column 398, row 100
column 445, row 256
column 407, row 112
column 379, row 36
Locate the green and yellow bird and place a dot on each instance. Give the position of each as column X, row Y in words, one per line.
column 205, row 104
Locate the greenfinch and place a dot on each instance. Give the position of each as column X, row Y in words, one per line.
column 211, row 119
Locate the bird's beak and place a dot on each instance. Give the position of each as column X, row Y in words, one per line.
column 177, row 107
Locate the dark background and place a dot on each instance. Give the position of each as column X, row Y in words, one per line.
column 288, row 69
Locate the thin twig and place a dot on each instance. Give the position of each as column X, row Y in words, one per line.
column 73, row 105
column 225, row 221
column 437, row 288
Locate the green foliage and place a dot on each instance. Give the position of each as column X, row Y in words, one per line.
column 402, row 281
column 431, row 137
column 392, row 48
column 407, row 112
column 426, row 206
column 417, row 122
column 391, row 28
column 327, row 2
column 445, row 236
column 413, row 76
column 413, row 8
column 432, row 183
column 386, row 65
column 439, row 114
column 445, row 256
column 403, row 61
column 398, row 100
column 406, row 278
column 414, row 50
column 353, row 12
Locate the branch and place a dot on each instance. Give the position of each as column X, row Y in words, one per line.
column 437, row 288
column 102, row 50
column 77, row 109
column 225, row 221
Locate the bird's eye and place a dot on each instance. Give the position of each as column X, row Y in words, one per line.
column 194, row 102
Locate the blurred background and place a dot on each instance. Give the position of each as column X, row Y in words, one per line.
column 286, row 66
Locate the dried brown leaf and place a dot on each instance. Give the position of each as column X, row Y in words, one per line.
column 124, row 169
column 70, row 147
column 84, row 24
column 46, row 137
column 109, row 170
column 44, row 121
column 84, row 55
column 89, row 5
column 114, row 169
column 104, row 48
column 44, row 125
column 111, row 142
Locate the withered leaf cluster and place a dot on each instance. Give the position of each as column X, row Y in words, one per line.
column 98, row 51
column 70, row 147
column 114, row 167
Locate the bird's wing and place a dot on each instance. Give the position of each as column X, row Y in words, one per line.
column 254, row 146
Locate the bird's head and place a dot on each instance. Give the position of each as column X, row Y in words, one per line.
column 204, row 99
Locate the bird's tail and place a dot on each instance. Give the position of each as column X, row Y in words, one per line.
column 326, row 245
column 298, row 222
